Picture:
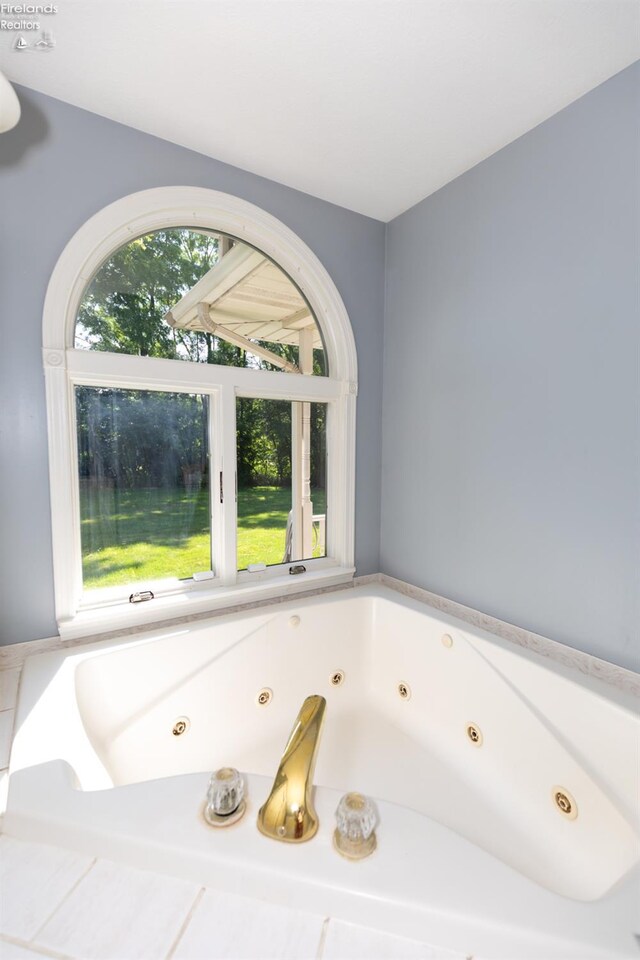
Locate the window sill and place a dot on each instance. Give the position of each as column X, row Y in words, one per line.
column 177, row 606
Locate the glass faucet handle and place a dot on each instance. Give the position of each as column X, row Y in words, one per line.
column 356, row 818
column 225, row 797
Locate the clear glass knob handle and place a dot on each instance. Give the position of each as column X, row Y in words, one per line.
column 356, row 819
column 225, row 802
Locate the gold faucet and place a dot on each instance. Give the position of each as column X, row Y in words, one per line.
column 288, row 813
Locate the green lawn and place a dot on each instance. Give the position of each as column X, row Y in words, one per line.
column 149, row 534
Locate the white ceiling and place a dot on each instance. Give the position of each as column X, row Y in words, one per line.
column 371, row 104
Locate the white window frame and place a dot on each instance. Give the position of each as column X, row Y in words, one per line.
column 65, row 367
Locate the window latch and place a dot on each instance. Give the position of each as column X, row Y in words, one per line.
column 297, row 568
column 141, row 596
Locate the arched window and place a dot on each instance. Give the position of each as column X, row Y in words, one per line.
column 201, row 380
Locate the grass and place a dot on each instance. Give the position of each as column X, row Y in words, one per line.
column 148, row 534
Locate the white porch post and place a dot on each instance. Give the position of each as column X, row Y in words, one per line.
column 296, row 481
column 306, row 367
column 302, row 507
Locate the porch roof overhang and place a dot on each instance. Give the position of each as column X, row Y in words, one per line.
column 245, row 295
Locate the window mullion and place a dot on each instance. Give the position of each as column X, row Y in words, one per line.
column 125, row 371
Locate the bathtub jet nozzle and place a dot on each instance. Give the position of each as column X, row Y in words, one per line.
column 288, row 813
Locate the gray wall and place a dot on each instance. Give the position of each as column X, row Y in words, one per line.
column 57, row 168
column 510, row 477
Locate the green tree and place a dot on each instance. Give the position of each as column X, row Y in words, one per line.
column 124, row 306
column 123, row 312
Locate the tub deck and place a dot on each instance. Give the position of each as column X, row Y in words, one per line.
column 472, row 854
column 423, row 882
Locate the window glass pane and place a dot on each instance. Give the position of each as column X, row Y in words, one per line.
column 144, row 485
column 281, row 467
column 245, row 312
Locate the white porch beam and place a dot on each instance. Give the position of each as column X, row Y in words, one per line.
column 208, row 325
column 224, row 245
column 301, row 318
column 232, row 269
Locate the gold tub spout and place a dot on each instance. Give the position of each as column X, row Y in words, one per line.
column 288, row 813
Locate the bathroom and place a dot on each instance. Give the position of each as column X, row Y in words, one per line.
column 437, row 609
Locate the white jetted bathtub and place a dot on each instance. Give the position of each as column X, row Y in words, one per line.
column 472, row 748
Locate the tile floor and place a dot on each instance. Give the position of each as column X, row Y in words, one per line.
column 8, row 694
column 58, row 904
